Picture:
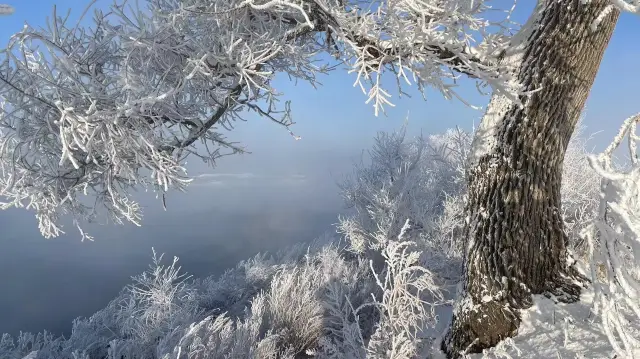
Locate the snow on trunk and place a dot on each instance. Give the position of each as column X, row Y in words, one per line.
column 516, row 244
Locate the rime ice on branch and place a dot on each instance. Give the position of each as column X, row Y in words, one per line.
column 95, row 112
column 614, row 241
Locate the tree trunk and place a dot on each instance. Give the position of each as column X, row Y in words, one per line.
column 515, row 240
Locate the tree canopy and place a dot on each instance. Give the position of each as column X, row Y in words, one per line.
column 97, row 110
column 91, row 112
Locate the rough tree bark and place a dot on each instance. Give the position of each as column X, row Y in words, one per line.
column 516, row 244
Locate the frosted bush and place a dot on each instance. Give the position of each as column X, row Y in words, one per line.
column 407, row 305
column 580, row 190
column 614, row 243
column 157, row 301
column 395, row 323
column 222, row 337
column 131, row 325
column 27, row 345
column 423, row 179
column 295, row 308
column 404, row 180
column 233, row 290
column 291, row 315
column 374, row 296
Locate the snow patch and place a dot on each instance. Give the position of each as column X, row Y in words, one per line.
column 556, row 330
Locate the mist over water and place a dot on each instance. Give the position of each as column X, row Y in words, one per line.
column 46, row 283
column 282, row 193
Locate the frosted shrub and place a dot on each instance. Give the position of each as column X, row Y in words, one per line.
column 580, row 190
column 131, row 325
column 157, row 301
column 294, row 314
column 405, row 309
column 233, row 290
column 405, row 180
column 295, row 308
column 222, row 337
column 614, row 243
column 449, row 228
column 346, row 331
column 27, row 345
column 395, row 323
column 396, row 200
column 118, row 331
column 424, row 180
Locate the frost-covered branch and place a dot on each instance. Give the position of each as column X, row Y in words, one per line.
column 632, row 6
column 614, row 240
column 409, row 295
column 90, row 114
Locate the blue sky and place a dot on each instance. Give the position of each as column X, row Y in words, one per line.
column 284, row 191
column 336, row 119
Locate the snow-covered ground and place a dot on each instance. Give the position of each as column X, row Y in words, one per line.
column 549, row 329
column 557, row 330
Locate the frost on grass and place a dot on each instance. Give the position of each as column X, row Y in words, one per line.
column 383, row 290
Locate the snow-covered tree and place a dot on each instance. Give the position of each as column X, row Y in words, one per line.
column 423, row 180
column 516, row 244
column 95, row 112
column 90, row 113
